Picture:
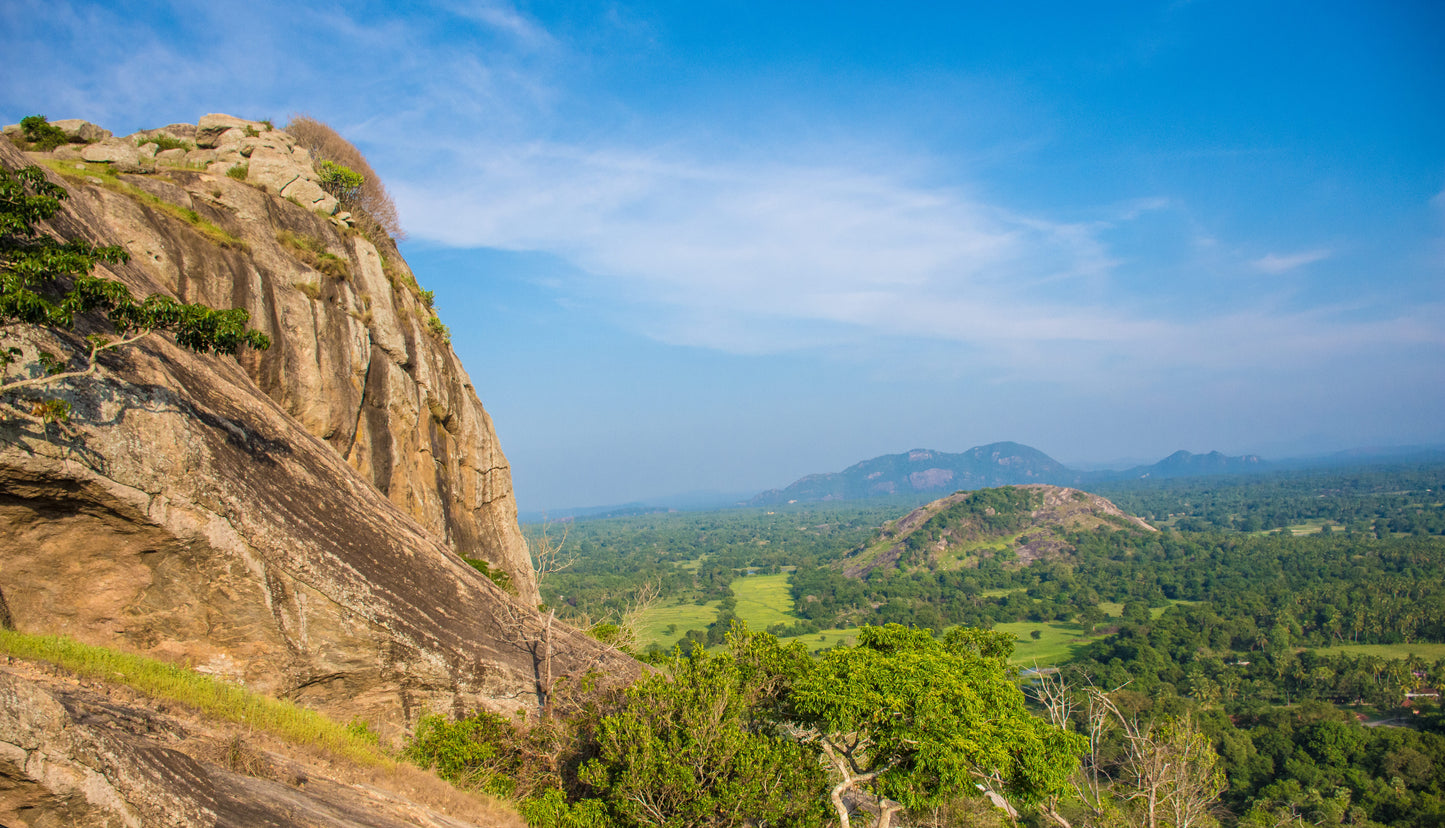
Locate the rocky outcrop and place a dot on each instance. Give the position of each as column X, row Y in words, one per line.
column 295, row 519
column 75, row 757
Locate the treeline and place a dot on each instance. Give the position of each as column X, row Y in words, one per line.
column 1323, row 588
column 1381, row 500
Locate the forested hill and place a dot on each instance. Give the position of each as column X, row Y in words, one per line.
column 1013, row 523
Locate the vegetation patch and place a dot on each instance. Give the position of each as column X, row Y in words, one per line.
column 208, row 694
column 164, row 142
column 313, row 253
column 40, row 135
column 104, row 175
column 1056, row 643
column 663, row 626
column 763, row 600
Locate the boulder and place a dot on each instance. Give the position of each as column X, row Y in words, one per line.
column 117, row 151
column 310, row 195
column 174, row 157
column 213, row 129
column 272, row 169
column 297, row 518
column 83, row 130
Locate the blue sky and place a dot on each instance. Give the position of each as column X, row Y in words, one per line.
column 717, row 246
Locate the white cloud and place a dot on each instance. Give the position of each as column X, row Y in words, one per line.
column 773, row 245
column 1276, row 264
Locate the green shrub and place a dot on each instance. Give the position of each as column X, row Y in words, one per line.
column 164, row 142
column 478, row 753
column 439, row 330
column 341, row 181
column 239, row 172
column 42, row 135
column 496, row 576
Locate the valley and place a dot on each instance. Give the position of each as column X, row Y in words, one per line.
column 1264, row 607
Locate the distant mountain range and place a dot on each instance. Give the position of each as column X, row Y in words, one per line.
column 924, row 474
column 921, row 471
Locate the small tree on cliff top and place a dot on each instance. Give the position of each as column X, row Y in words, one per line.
column 364, row 193
column 47, row 283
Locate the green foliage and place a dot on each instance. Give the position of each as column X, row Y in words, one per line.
column 696, row 746
column 239, row 171
column 437, row 329
column 922, row 719
column 475, row 753
column 164, row 142
column 42, row 135
column 496, row 576
column 46, row 282
column 341, row 181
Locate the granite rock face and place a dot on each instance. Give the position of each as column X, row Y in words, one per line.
column 295, row 519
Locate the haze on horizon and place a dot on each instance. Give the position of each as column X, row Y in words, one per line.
column 720, row 246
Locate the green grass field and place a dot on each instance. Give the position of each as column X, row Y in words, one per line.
column 653, row 627
column 763, row 600
column 1429, row 652
column 1056, row 643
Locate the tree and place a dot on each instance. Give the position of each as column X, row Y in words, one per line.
column 47, row 283
column 912, row 721
column 696, row 746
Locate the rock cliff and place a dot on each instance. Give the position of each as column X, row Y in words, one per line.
column 294, row 519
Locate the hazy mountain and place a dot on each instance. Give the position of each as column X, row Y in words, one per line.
column 1186, row 464
column 924, row 470
column 997, row 464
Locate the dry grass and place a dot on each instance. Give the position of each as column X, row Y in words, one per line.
column 373, row 209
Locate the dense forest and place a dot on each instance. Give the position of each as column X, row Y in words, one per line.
column 1271, row 657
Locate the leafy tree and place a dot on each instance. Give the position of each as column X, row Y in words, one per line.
column 42, row 135
column 47, row 283
column 911, row 721
column 696, row 746
column 341, row 181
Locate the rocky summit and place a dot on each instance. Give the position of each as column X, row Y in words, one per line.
column 297, row 520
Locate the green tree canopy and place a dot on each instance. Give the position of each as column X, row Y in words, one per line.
column 915, row 720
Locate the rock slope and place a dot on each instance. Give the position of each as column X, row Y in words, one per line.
column 96, row 756
column 293, row 519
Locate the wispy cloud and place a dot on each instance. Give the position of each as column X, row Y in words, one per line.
column 774, row 245
column 1275, row 263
